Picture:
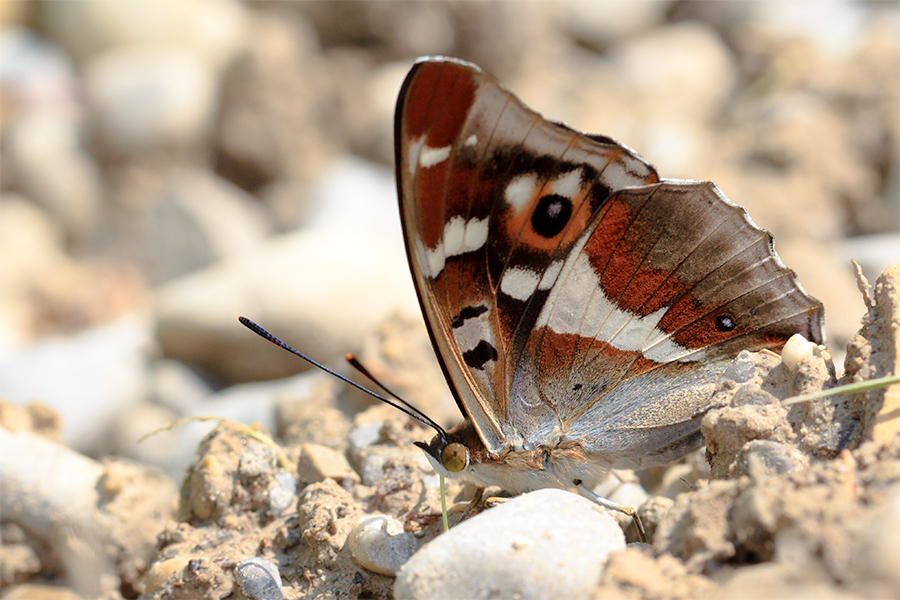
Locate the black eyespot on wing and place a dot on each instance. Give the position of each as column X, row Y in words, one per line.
column 576, row 387
column 551, row 215
column 725, row 323
column 469, row 312
column 479, row 355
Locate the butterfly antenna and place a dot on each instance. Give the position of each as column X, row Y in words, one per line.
column 401, row 407
column 354, row 362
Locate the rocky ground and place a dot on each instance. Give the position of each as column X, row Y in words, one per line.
column 168, row 166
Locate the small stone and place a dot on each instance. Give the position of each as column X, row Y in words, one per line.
column 283, row 493
column 602, row 23
column 317, row 463
column 364, row 436
column 700, row 71
column 653, row 512
column 36, row 591
column 205, row 481
column 213, row 30
column 546, row 544
column 257, row 461
column 765, row 457
column 198, row 218
column 742, row 368
column 161, row 572
column 374, row 460
column 630, row 493
column 196, row 314
column 379, row 543
column 258, row 579
column 796, row 350
column 97, row 374
column 50, row 166
column 144, row 97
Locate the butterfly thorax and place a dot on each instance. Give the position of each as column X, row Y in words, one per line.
column 515, row 470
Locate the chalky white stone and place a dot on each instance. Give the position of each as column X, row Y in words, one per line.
column 796, row 350
column 379, row 543
column 545, row 544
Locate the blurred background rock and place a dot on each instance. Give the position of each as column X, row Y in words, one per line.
column 168, row 165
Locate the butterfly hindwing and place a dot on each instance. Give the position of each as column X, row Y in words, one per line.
column 668, row 283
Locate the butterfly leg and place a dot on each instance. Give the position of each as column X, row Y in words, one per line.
column 590, row 495
column 468, row 510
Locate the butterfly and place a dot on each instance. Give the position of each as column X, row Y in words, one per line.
column 581, row 307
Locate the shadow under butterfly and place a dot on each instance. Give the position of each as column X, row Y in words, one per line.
column 582, row 308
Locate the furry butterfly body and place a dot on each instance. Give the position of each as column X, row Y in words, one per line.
column 581, row 307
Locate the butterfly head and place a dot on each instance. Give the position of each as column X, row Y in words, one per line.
column 453, row 453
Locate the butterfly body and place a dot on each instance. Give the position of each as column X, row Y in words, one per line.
column 581, row 307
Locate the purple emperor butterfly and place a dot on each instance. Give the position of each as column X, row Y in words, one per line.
column 581, row 307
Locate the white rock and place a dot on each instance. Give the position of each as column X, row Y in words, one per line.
column 355, row 194
column 318, row 462
column 197, row 219
column 36, row 76
column 602, row 22
column 50, row 167
column 379, row 543
column 683, row 71
column 88, row 378
column 546, row 544
column 173, row 450
column 178, row 387
column 258, row 579
column 29, row 241
column 150, row 96
column 321, row 289
column 630, row 494
column 214, row 29
column 796, row 350
column 876, row 252
column 52, row 491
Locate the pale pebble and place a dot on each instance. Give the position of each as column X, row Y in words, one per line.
column 361, row 259
column 258, row 579
column 502, row 553
column 96, row 374
column 196, row 219
column 50, row 166
column 319, row 462
column 796, row 350
column 213, row 29
column 150, row 96
column 380, row 544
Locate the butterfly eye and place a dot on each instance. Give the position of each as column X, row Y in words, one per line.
column 455, row 457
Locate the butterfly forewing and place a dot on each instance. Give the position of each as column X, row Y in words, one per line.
column 474, row 168
column 569, row 295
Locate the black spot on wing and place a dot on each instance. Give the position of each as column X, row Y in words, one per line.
column 725, row 323
column 469, row 312
column 551, row 215
column 481, row 354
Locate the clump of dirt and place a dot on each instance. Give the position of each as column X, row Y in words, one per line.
column 238, row 502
